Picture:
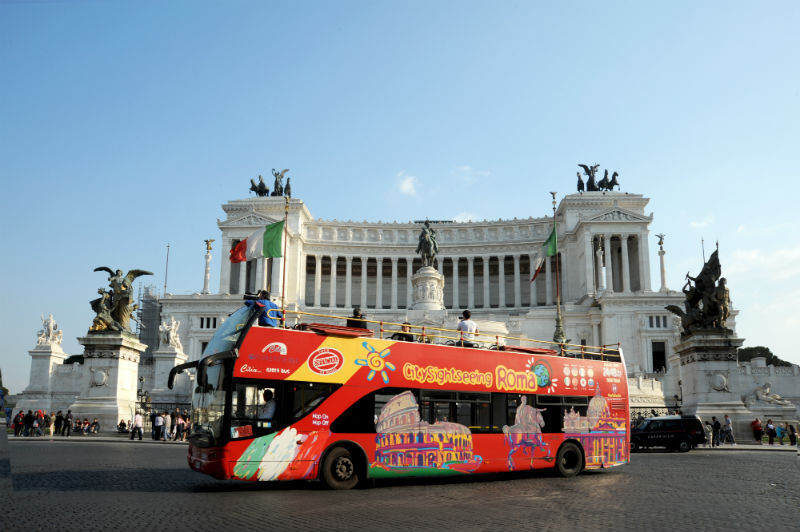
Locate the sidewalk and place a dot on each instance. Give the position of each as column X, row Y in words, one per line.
column 752, row 447
column 108, row 437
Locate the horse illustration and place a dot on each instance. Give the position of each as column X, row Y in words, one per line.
column 526, row 433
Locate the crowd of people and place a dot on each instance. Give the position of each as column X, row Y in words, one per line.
column 772, row 431
column 165, row 426
column 40, row 423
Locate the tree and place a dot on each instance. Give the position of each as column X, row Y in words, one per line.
column 748, row 353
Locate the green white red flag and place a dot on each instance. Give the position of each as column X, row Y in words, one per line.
column 263, row 242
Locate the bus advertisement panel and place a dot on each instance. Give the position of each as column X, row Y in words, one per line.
column 305, row 405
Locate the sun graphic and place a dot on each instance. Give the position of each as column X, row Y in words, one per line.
column 376, row 363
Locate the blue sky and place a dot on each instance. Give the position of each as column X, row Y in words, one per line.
column 125, row 125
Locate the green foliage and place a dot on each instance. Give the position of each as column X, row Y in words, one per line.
column 748, row 353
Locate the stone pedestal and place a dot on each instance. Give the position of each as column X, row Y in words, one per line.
column 112, row 362
column 164, row 359
column 428, row 289
column 38, row 394
column 708, row 367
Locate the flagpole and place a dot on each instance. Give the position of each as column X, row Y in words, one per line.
column 283, row 274
column 558, row 336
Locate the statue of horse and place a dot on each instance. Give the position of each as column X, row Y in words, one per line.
column 526, row 433
column 427, row 248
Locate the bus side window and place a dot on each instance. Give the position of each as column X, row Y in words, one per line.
column 358, row 418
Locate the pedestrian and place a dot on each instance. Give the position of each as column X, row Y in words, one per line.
column 19, row 423
column 771, row 432
column 67, row 424
column 792, row 434
column 49, row 421
column 468, row 330
column 158, row 426
column 167, row 426
column 138, row 423
column 27, row 421
column 727, row 430
column 179, row 426
column 716, row 427
column 59, row 422
column 779, row 433
column 758, row 431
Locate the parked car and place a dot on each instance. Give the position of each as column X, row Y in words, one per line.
column 673, row 432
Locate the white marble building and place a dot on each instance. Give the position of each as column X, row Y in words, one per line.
column 333, row 266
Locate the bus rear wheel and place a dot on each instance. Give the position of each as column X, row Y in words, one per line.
column 340, row 469
column 569, row 460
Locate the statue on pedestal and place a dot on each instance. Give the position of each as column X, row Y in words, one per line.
column 114, row 308
column 707, row 304
column 428, row 247
column 168, row 334
column 277, row 188
column 49, row 334
column 260, row 189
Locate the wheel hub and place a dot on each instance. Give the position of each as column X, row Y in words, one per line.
column 343, row 468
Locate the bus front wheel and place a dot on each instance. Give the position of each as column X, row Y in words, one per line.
column 569, row 460
column 339, row 470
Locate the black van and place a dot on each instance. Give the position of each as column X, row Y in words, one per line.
column 673, row 432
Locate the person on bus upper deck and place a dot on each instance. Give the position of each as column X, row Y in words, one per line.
column 357, row 320
column 406, row 335
column 469, row 329
column 266, row 318
column 267, row 410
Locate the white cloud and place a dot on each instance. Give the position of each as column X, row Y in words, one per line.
column 407, row 184
column 464, row 217
column 770, row 266
column 469, row 174
column 705, row 222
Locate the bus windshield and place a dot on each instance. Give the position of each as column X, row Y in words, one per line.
column 227, row 335
column 208, row 404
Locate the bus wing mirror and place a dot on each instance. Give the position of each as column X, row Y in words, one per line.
column 179, row 369
column 203, row 364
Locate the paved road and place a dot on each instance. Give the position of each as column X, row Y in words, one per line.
column 115, row 485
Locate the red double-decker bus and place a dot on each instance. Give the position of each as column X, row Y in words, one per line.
column 337, row 404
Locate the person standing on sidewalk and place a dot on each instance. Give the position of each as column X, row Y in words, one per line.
column 771, row 432
column 158, row 426
column 715, row 430
column 758, row 431
column 727, row 429
column 67, row 424
column 138, row 423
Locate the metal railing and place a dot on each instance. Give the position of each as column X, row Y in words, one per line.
column 424, row 334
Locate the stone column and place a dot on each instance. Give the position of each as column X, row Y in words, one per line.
column 501, row 280
column 225, row 268
column 609, row 256
column 317, row 280
column 626, row 270
column 486, row 294
column 517, row 285
column 456, row 302
column 277, row 277
column 471, row 282
column 348, row 281
column 242, row 277
column 548, row 278
column 599, row 265
column 409, row 286
column 661, row 254
column 334, row 260
column 364, row 261
column 440, row 265
column 595, row 334
column 532, row 284
column 644, row 268
column 394, row 283
column 207, row 276
column 588, row 259
column 379, row 283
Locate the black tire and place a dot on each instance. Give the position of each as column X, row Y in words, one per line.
column 634, row 446
column 569, row 460
column 340, row 470
column 685, row 446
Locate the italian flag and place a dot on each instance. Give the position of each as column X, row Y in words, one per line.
column 263, row 242
column 550, row 249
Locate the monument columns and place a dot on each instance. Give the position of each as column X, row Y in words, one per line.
column 394, row 283
column 644, row 255
column 486, row 300
column 588, row 260
column 225, row 269
column 501, row 279
column 532, row 284
column 471, row 282
column 517, row 286
column 599, row 265
column 364, row 261
column 317, row 280
column 334, row 261
column 379, row 283
column 609, row 256
column 348, row 281
column 626, row 270
column 661, row 253
column 409, row 287
column 456, row 302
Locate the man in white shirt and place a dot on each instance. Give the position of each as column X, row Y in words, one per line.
column 138, row 423
column 267, row 410
column 468, row 330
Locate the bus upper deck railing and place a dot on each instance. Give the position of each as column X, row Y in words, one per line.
column 425, row 334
